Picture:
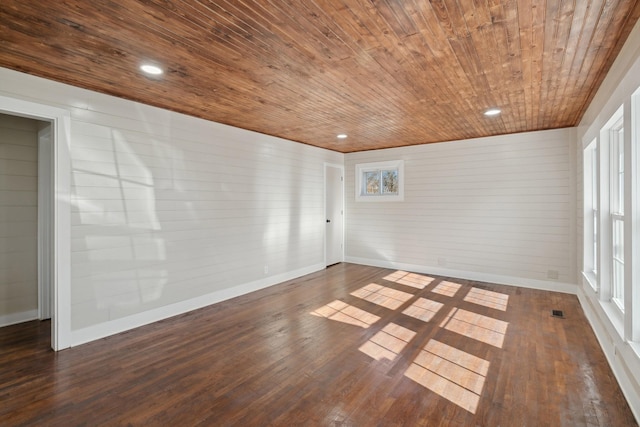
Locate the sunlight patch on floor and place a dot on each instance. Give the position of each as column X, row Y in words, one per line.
column 476, row 326
column 488, row 299
column 340, row 311
column 451, row 373
column 383, row 296
column 413, row 280
column 448, row 289
column 388, row 343
column 423, row 309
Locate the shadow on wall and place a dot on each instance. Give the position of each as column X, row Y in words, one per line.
column 118, row 251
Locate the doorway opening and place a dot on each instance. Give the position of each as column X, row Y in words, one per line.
column 35, row 205
column 25, row 219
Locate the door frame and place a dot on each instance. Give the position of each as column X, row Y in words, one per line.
column 60, row 279
column 324, row 204
column 45, row 221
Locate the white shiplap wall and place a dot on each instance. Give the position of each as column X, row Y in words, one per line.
column 18, row 219
column 168, row 208
column 499, row 208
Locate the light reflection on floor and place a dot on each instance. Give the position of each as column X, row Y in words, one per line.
column 488, row 299
column 476, row 326
column 383, row 296
column 388, row 343
column 414, row 280
column 345, row 313
column 423, row 309
column 451, row 373
column 448, row 289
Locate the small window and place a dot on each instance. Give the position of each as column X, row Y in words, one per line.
column 378, row 182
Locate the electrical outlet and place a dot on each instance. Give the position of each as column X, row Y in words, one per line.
column 552, row 274
column 266, row 269
column 442, row 262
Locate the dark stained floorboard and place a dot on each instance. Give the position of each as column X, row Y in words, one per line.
column 264, row 359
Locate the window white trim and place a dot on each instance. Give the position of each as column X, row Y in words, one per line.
column 605, row 199
column 591, row 211
column 632, row 219
column 363, row 168
column 617, row 200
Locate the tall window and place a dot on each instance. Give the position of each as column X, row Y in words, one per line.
column 617, row 213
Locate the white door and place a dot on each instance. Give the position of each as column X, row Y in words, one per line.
column 334, row 214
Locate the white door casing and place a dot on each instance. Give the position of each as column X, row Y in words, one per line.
column 45, row 216
column 60, row 213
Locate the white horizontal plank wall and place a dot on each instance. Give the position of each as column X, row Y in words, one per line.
column 18, row 219
column 621, row 82
column 500, row 209
column 170, row 212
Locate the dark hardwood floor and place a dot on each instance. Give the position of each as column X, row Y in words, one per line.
column 348, row 346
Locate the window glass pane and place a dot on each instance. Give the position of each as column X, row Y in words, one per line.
column 618, row 239
column 594, row 178
column 595, row 241
column 618, row 262
column 621, row 149
column 372, row 182
column 617, row 171
column 618, row 284
column 620, row 143
column 390, row 181
column 380, row 181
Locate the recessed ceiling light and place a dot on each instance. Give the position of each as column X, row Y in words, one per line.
column 341, row 136
column 154, row 70
column 492, row 112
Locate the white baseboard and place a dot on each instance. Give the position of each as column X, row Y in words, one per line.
column 116, row 326
column 622, row 358
column 544, row 285
column 13, row 318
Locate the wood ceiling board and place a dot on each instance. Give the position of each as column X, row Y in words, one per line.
column 386, row 72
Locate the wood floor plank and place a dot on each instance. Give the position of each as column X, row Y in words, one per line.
column 324, row 350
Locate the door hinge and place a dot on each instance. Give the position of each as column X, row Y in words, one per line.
column 341, row 179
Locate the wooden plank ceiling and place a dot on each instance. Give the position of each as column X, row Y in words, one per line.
column 386, row 72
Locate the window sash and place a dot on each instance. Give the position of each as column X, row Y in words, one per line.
column 595, row 242
column 380, row 181
column 617, row 259
column 617, row 169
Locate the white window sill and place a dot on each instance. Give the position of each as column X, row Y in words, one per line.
column 591, row 278
column 635, row 346
column 615, row 316
column 380, row 198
